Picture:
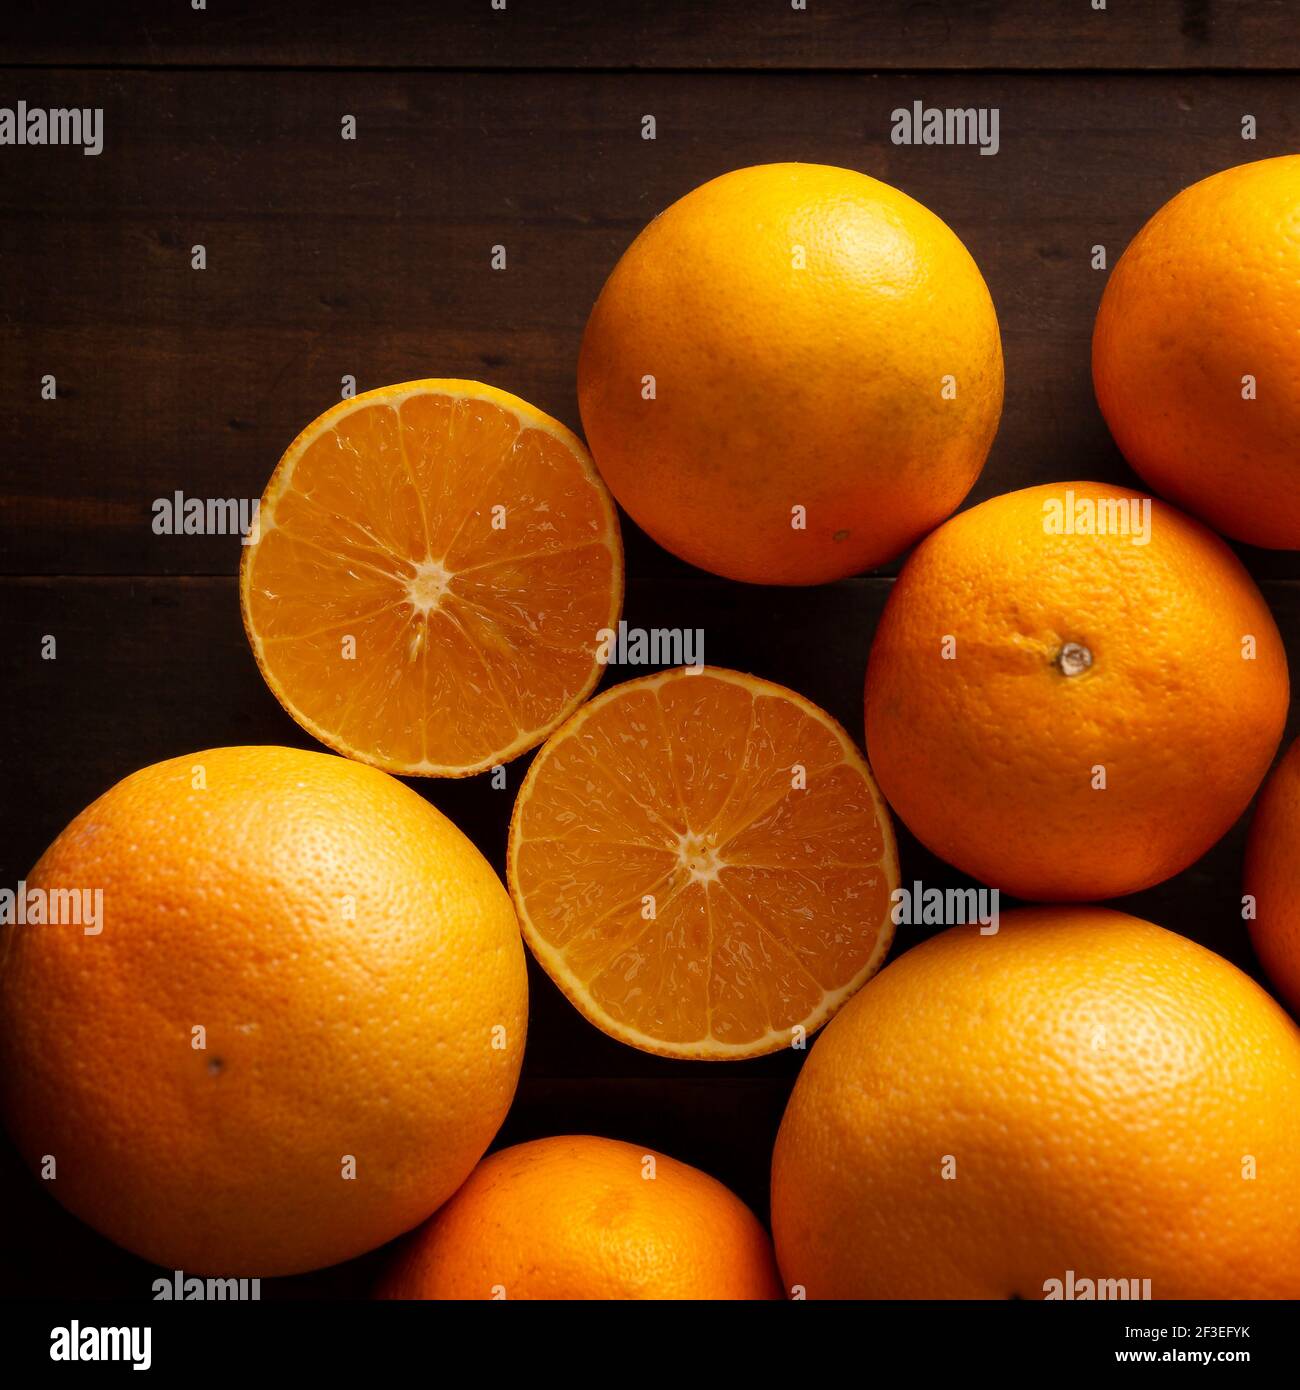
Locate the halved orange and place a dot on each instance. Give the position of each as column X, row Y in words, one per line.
column 433, row 566
column 703, row 864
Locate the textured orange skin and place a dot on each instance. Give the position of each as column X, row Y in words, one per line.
column 1273, row 877
column 1208, row 292
column 325, row 1037
column 573, row 1218
column 1097, row 1080
column 988, row 757
column 778, row 387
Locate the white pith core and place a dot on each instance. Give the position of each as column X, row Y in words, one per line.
column 425, row 588
column 697, row 855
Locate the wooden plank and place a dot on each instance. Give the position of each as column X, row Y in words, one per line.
column 153, row 668
column 935, row 34
column 327, row 257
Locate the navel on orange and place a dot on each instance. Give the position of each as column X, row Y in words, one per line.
column 434, row 562
column 703, row 864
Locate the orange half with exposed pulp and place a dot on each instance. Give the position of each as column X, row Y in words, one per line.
column 703, row 864
column 431, row 570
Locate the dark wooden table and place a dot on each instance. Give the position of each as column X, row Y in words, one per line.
column 370, row 258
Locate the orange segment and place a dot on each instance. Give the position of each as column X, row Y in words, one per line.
column 703, row 864
column 433, row 566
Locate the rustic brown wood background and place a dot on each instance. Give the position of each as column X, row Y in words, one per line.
column 371, row 258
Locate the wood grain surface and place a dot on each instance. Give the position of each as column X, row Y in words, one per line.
column 702, row 34
column 370, row 258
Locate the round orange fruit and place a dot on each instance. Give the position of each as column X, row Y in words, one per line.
column 792, row 374
column 1273, row 877
column 1194, row 355
column 701, row 861
column 1073, row 692
column 295, row 1031
column 1081, row 1101
column 433, row 566
column 577, row 1217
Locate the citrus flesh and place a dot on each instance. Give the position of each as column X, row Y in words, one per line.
column 577, row 1217
column 703, row 864
column 434, row 563
column 296, row 1033
column 1081, row 1095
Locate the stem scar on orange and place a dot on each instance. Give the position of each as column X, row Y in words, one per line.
column 702, row 863
column 432, row 566
column 1073, row 691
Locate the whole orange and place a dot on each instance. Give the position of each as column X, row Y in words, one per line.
column 577, row 1217
column 1273, row 877
column 1194, row 355
column 1073, row 691
column 1081, row 1096
column 792, row 374
column 295, row 1032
